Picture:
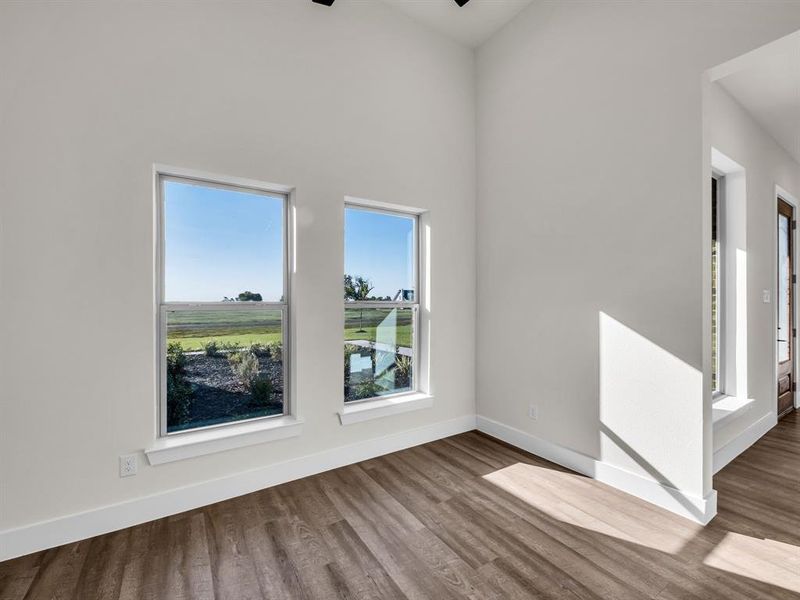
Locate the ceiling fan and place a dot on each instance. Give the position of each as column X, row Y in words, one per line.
column 330, row 2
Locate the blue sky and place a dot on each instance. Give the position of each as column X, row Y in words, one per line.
column 220, row 242
column 379, row 247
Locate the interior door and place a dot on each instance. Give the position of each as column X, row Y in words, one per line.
column 785, row 305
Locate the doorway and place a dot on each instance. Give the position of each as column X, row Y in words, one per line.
column 786, row 331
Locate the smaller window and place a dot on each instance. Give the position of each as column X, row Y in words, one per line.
column 381, row 304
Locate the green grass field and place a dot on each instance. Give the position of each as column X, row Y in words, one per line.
column 403, row 335
column 362, row 324
column 242, row 328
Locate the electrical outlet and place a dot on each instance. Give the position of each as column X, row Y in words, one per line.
column 533, row 412
column 765, row 296
column 128, row 465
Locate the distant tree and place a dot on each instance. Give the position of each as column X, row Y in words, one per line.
column 250, row 297
column 356, row 289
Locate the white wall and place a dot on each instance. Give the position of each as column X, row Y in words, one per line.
column 354, row 101
column 591, row 213
column 736, row 134
column 590, row 207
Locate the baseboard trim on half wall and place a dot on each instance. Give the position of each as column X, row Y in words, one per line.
column 79, row 526
column 696, row 508
column 744, row 440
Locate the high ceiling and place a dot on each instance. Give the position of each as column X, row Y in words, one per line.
column 470, row 25
column 769, row 89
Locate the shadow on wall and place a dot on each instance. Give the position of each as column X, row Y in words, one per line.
column 653, row 472
column 651, row 411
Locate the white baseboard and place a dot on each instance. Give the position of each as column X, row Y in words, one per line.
column 530, row 443
column 696, row 508
column 79, row 526
column 743, row 441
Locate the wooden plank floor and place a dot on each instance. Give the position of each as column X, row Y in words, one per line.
column 464, row 517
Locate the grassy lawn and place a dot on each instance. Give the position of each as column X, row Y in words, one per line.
column 242, row 328
column 242, row 340
column 403, row 335
column 363, row 324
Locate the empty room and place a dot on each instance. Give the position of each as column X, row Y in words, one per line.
column 425, row 299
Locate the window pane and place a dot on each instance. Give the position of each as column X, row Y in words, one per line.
column 220, row 243
column 715, row 251
column 378, row 352
column 379, row 257
column 784, row 283
column 223, row 366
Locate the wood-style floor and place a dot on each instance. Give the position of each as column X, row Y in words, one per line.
column 464, row 517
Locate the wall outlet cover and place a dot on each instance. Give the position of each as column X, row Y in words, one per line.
column 128, row 465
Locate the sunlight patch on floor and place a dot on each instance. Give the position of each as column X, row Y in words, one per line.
column 582, row 502
column 771, row 562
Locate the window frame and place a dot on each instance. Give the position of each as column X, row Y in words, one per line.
column 715, row 283
column 163, row 174
column 414, row 216
column 718, row 197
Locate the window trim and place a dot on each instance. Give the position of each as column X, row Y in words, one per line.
column 238, row 434
column 734, row 353
column 161, row 174
column 384, row 406
column 415, row 216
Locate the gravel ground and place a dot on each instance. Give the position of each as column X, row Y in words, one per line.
column 218, row 396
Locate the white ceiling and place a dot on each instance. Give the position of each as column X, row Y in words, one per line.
column 769, row 89
column 470, row 25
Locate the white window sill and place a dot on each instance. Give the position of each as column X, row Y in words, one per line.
column 209, row 441
column 724, row 408
column 383, row 407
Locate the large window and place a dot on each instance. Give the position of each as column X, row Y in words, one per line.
column 380, row 303
column 223, row 307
